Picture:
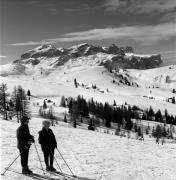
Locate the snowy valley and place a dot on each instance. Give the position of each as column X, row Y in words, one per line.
column 106, row 74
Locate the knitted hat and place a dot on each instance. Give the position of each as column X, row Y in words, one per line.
column 24, row 119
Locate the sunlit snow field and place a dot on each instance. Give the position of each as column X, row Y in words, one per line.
column 93, row 155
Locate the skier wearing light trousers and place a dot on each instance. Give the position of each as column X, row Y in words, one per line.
column 48, row 144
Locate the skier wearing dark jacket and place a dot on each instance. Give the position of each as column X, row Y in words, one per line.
column 48, row 144
column 24, row 141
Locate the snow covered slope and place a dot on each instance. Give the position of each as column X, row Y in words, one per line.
column 61, row 82
column 50, row 71
column 50, row 57
column 162, row 77
column 11, row 69
column 92, row 155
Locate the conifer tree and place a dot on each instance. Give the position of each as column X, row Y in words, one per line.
column 118, row 129
column 150, row 113
column 62, row 103
column 70, row 105
column 84, row 108
column 26, row 108
column 107, row 123
column 153, row 132
column 41, row 111
column 3, row 100
column 107, row 115
column 164, row 132
column 92, row 107
column 17, row 103
column 166, row 114
column 65, row 118
column 91, row 126
column 74, row 113
column 139, row 131
column 29, row 94
column 158, row 132
column 158, row 116
column 79, row 101
column 44, row 105
column 21, row 103
column 144, row 116
column 75, row 83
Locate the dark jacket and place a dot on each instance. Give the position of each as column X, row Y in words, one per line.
column 24, row 137
column 47, row 139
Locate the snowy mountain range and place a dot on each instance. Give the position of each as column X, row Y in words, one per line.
column 122, row 57
column 118, row 72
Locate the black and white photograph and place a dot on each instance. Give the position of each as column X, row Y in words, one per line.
column 88, row 89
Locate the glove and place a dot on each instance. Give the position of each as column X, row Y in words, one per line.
column 29, row 143
column 26, row 147
column 32, row 139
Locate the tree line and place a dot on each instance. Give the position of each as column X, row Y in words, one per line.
column 123, row 114
column 14, row 104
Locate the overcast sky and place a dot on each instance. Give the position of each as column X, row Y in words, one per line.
column 147, row 25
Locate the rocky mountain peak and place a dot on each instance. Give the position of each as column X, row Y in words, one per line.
column 113, row 55
column 44, row 47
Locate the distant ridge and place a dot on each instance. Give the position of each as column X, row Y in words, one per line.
column 112, row 56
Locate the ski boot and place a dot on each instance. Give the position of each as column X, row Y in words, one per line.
column 47, row 168
column 25, row 170
column 52, row 169
column 30, row 172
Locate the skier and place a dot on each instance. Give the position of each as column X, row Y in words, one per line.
column 24, row 141
column 48, row 144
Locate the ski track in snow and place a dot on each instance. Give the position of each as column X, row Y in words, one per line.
column 92, row 155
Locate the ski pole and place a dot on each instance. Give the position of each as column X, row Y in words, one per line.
column 6, row 169
column 55, row 160
column 65, row 162
column 39, row 158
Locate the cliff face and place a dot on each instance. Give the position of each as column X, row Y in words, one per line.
column 42, row 51
column 121, row 57
column 137, row 62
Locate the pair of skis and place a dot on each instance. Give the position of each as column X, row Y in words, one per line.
column 57, row 174
column 32, row 175
column 64, row 175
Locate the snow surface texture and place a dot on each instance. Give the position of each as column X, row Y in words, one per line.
column 92, row 155
column 11, row 69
